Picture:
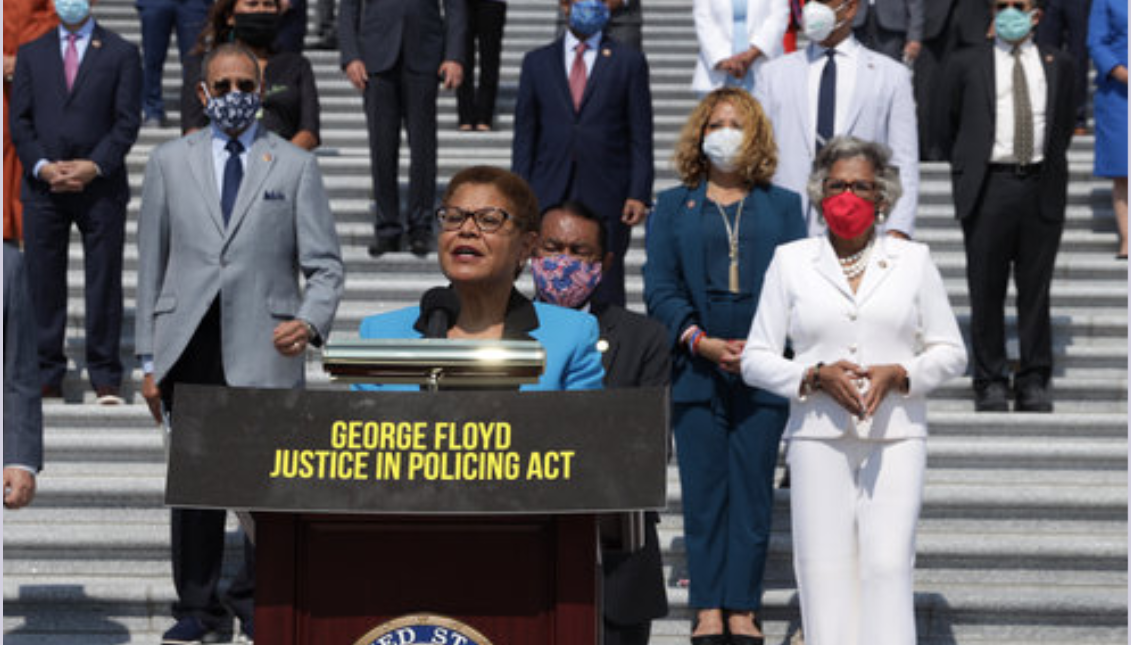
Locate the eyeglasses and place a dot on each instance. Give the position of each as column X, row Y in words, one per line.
column 1020, row 5
column 222, row 86
column 488, row 220
column 860, row 187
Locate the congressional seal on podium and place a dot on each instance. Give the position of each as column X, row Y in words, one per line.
column 423, row 629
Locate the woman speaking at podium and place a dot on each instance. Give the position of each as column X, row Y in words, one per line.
column 488, row 229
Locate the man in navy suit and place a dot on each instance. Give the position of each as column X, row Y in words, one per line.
column 75, row 113
column 583, row 130
column 23, row 412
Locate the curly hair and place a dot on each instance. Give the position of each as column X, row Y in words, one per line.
column 877, row 155
column 759, row 158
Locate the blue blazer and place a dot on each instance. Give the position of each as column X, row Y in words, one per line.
column 675, row 275
column 23, row 411
column 603, row 150
column 570, row 339
column 97, row 120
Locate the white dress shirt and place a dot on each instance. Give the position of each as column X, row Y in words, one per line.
column 1038, row 96
column 847, row 59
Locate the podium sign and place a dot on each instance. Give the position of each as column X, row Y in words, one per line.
column 464, row 452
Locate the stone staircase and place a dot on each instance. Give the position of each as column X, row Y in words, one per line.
column 1024, row 532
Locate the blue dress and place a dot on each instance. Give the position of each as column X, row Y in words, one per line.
column 1107, row 45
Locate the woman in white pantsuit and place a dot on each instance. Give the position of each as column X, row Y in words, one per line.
column 735, row 37
column 872, row 333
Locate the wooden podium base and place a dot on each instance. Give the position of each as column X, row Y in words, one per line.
column 518, row 580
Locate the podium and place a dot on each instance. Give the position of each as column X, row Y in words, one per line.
column 422, row 517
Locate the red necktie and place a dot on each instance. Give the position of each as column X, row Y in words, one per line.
column 577, row 75
column 71, row 61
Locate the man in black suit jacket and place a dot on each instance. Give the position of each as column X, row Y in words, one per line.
column 948, row 25
column 72, row 136
column 23, row 412
column 396, row 52
column 634, row 352
column 598, row 151
column 1010, row 180
column 626, row 23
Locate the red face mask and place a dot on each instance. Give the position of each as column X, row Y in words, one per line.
column 848, row 215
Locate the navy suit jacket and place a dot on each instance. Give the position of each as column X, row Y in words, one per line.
column 97, row 120
column 603, row 150
column 23, row 412
column 382, row 33
column 675, row 276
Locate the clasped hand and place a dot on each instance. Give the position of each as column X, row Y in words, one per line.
column 69, row 176
column 843, row 381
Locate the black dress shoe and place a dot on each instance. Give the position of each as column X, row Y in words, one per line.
column 994, row 397
column 419, row 243
column 384, row 245
column 743, row 639
column 711, row 639
column 1033, row 397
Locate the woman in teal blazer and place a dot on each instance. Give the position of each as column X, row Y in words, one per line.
column 488, row 227
column 710, row 241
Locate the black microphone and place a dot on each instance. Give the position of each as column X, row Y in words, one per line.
column 440, row 309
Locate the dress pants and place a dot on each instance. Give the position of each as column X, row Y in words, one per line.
column 476, row 96
column 198, row 534
column 158, row 20
column 391, row 97
column 1006, row 233
column 854, row 507
column 727, row 450
column 100, row 214
column 1064, row 25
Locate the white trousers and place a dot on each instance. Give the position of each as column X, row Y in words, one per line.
column 854, row 507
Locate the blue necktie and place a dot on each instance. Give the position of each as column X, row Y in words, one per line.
column 826, row 102
column 233, row 175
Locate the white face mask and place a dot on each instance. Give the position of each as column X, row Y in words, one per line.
column 818, row 20
column 722, row 147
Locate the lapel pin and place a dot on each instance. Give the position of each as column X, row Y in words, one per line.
column 606, row 52
column 602, row 346
column 267, row 156
column 691, row 203
column 1048, row 59
column 96, row 43
column 883, row 264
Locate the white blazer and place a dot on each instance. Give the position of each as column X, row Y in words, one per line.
column 766, row 21
column 900, row 314
column 882, row 109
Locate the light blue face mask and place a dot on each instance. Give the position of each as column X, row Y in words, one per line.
column 72, row 12
column 1013, row 25
column 588, row 17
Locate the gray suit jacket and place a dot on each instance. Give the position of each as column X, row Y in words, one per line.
column 905, row 16
column 382, row 32
column 23, row 411
column 881, row 109
column 280, row 226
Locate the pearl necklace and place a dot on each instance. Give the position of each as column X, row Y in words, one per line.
column 855, row 264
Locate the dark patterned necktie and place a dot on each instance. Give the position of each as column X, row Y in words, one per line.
column 233, row 175
column 1022, row 112
column 826, row 101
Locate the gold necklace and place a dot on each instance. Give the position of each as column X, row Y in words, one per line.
column 732, row 239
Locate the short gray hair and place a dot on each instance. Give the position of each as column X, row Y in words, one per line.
column 229, row 49
column 887, row 176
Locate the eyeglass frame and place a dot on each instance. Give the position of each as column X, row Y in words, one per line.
column 854, row 186
column 474, row 216
column 245, row 85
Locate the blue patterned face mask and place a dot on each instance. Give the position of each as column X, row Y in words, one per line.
column 587, row 17
column 234, row 111
column 72, row 12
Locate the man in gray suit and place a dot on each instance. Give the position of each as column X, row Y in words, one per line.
column 230, row 216
column 23, row 411
column 835, row 87
column 395, row 52
column 892, row 27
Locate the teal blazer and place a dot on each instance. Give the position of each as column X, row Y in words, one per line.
column 675, row 275
column 569, row 337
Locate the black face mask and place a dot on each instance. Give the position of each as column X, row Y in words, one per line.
column 257, row 29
